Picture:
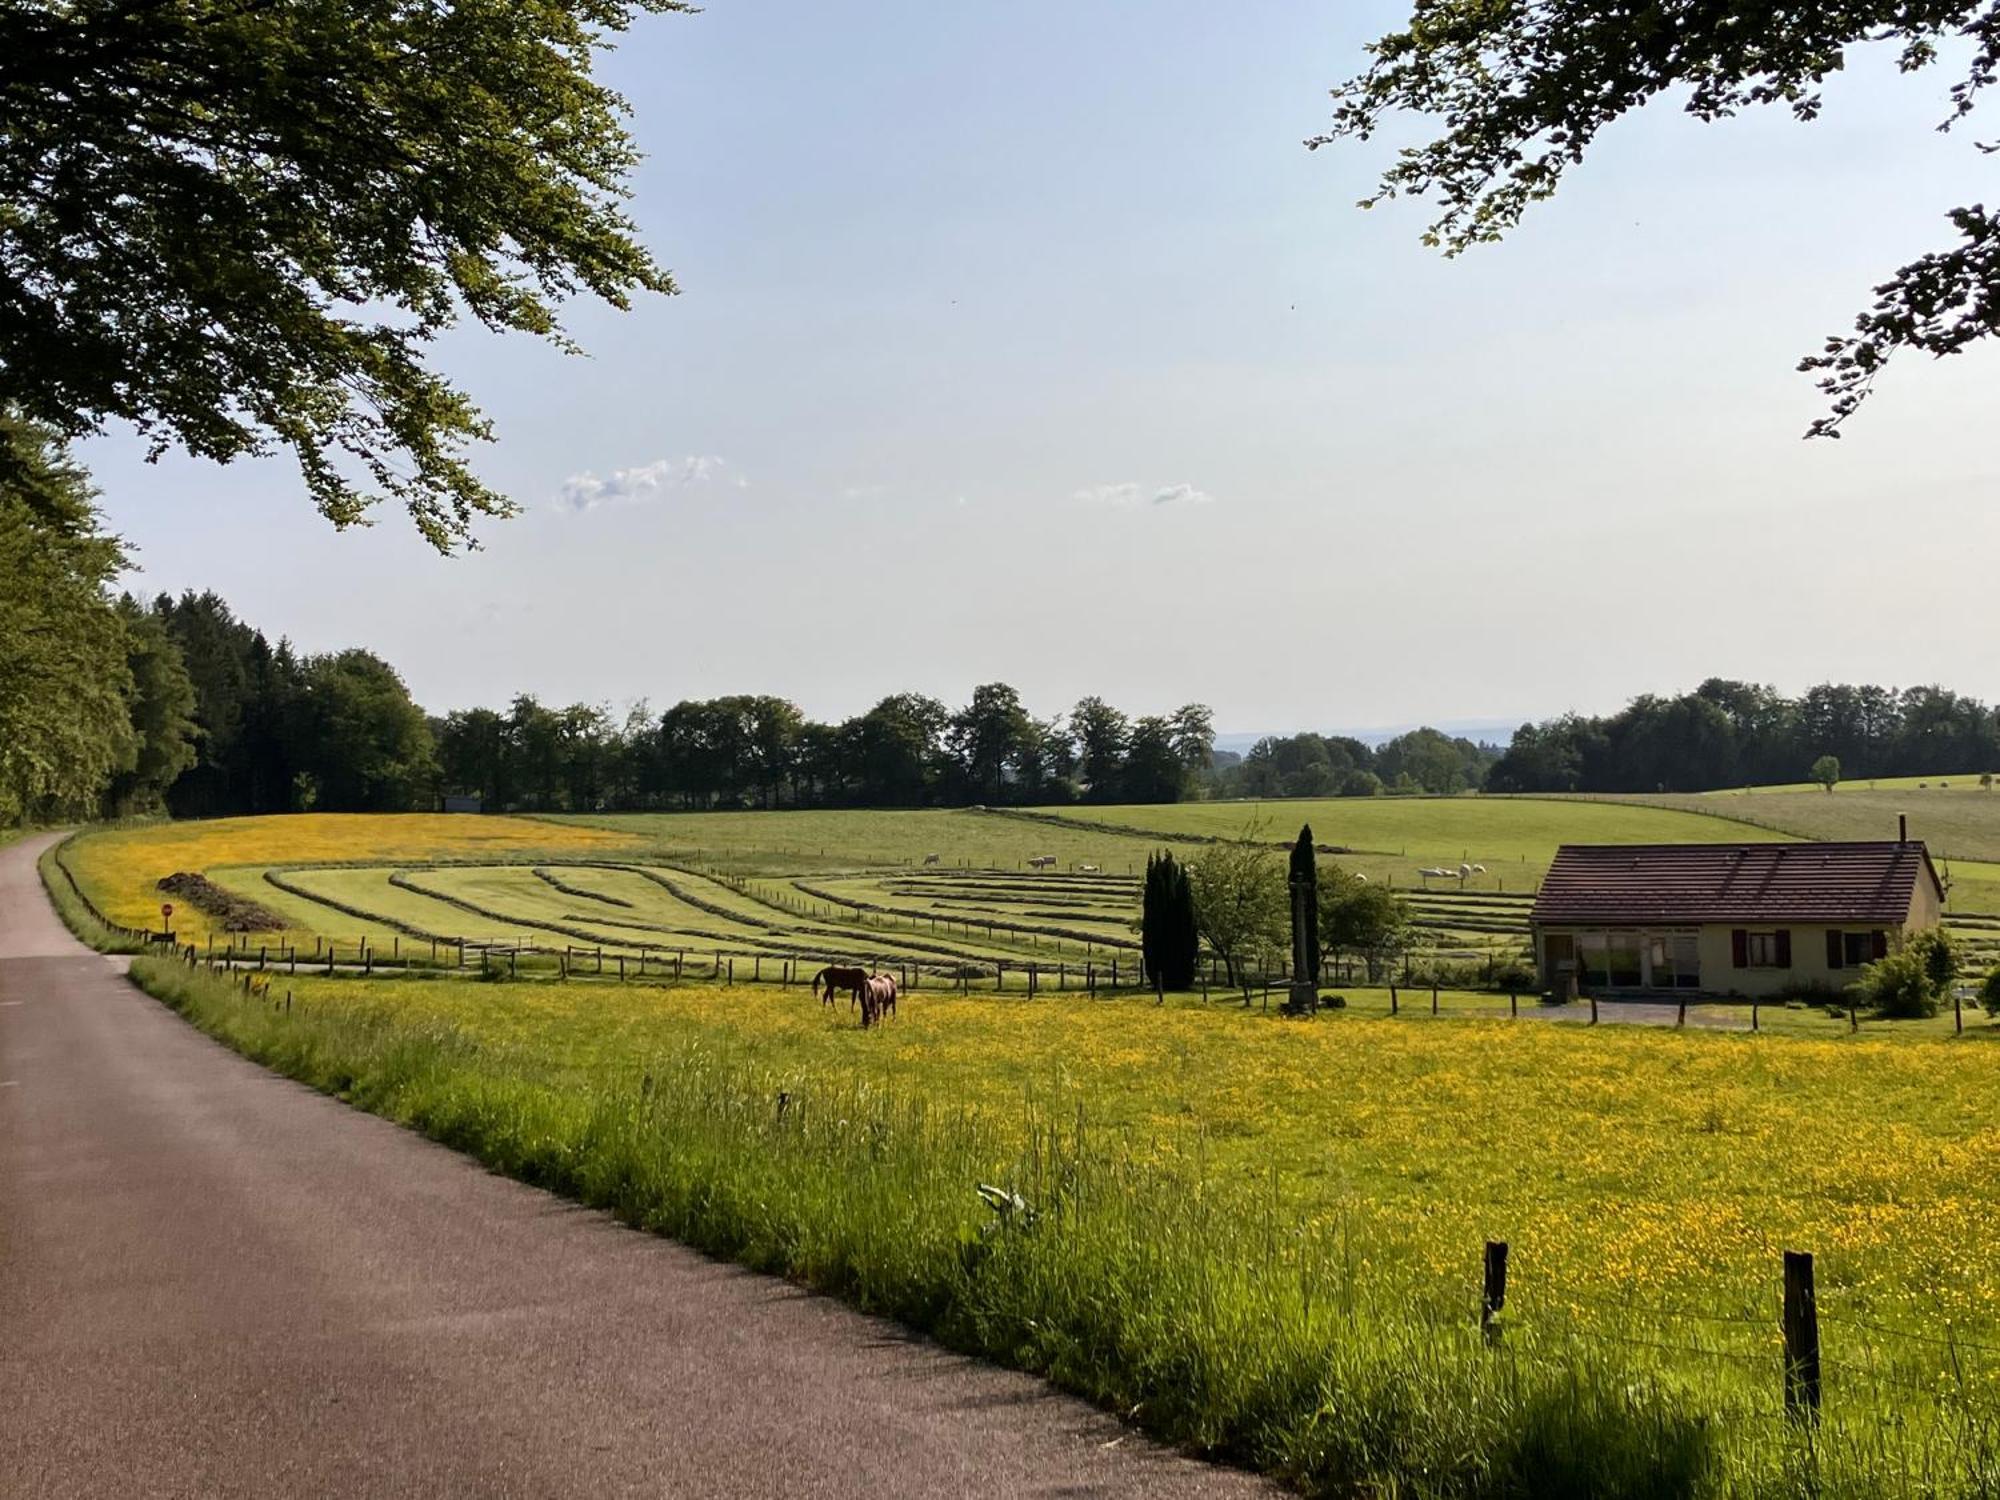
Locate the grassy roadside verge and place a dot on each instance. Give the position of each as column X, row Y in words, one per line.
column 78, row 913
column 1159, row 1291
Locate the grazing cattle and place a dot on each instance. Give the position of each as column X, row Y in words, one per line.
column 1042, row 862
column 838, row 977
column 878, row 998
column 930, row 859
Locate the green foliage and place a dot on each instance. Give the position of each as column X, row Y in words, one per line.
column 1826, row 771
column 1912, row 982
column 162, row 716
column 1520, row 92
column 1741, row 734
column 239, row 227
column 1170, row 940
column 65, row 681
column 1989, row 991
column 1239, row 902
column 367, row 747
column 1358, row 916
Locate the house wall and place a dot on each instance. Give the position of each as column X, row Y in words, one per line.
column 1716, row 944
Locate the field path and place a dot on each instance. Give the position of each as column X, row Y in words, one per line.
column 216, row 1282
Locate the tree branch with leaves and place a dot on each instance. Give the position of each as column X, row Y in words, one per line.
column 240, row 226
column 1520, row 91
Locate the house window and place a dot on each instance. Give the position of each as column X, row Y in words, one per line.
column 1675, row 962
column 1857, row 948
column 1621, row 958
column 1760, row 950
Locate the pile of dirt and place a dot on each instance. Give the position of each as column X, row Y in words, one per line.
column 233, row 913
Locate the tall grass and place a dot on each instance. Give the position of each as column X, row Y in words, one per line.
column 1187, row 1300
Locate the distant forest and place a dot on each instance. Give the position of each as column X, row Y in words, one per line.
column 1726, row 734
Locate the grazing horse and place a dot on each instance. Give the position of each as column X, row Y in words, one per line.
column 930, row 859
column 1042, row 862
column 878, row 999
column 854, row 981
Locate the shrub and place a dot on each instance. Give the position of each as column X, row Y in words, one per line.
column 1989, row 991
column 1909, row 984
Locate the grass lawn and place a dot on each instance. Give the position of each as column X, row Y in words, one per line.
column 1514, row 837
column 1263, row 1236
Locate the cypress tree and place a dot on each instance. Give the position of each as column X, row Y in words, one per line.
column 1152, row 918
column 1183, row 949
column 1168, row 940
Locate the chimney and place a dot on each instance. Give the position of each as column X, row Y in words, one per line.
column 1902, row 828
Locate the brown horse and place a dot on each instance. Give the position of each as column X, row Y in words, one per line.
column 854, row 981
column 878, row 1000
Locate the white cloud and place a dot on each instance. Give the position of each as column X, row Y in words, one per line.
column 586, row 491
column 1131, row 494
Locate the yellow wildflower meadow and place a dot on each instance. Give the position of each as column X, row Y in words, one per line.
column 119, row 869
column 1636, row 1172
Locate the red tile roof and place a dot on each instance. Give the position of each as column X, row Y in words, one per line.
column 1748, row 883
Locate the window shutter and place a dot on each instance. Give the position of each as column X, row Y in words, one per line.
column 1739, row 948
column 1832, row 948
column 1881, row 942
column 1784, row 947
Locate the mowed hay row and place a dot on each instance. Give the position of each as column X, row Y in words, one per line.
column 118, row 868
column 515, row 906
column 813, row 842
column 1034, row 934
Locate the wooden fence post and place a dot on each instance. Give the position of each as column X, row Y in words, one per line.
column 1513, row 1005
column 1434, row 998
column 1493, row 1296
column 1753, row 1013
column 1957, row 1012
column 1682, row 1018
column 1394, row 1004
column 1801, row 1328
column 1593, row 1010
column 1853, row 1016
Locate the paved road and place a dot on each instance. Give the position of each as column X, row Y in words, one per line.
column 215, row 1282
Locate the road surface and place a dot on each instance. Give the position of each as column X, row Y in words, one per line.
column 215, row 1282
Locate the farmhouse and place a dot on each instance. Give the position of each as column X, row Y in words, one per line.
column 1745, row 919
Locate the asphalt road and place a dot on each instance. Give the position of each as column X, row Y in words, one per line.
column 215, row 1282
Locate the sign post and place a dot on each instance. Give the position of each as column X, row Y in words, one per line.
column 167, row 920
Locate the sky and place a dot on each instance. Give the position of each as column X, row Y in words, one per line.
column 1028, row 343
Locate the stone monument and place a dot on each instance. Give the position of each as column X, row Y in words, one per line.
column 1304, row 997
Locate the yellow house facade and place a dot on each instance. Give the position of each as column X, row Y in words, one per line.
column 1727, row 919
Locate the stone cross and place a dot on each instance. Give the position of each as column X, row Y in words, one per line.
column 1304, row 997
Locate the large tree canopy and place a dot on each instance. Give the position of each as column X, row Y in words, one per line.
column 1521, row 90
column 64, row 679
column 238, row 224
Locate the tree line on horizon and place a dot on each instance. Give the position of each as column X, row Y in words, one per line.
column 1727, row 734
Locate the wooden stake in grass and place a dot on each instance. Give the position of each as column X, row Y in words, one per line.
column 1801, row 1330
column 1493, row 1295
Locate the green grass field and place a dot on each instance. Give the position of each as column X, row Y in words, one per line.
column 1393, row 837
column 1262, row 1237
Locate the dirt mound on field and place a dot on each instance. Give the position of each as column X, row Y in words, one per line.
column 235, row 913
